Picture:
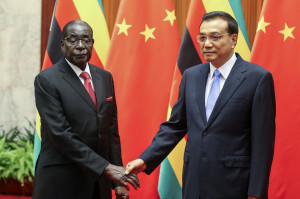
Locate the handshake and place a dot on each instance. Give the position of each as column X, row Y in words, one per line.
column 123, row 175
column 129, row 174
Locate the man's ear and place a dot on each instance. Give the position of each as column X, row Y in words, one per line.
column 62, row 45
column 234, row 40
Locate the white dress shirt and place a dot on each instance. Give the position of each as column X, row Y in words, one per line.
column 78, row 71
column 224, row 70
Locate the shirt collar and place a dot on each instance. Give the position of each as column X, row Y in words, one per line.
column 77, row 70
column 224, row 69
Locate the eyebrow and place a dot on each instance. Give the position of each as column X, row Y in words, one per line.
column 211, row 33
column 84, row 35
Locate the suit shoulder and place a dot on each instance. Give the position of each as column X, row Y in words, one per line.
column 196, row 68
column 252, row 67
column 49, row 71
column 100, row 70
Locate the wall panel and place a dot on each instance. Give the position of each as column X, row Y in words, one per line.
column 181, row 10
column 47, row 11
column 252, row 9
column 110, row 9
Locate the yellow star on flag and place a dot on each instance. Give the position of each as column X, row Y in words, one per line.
column 287, row 32
column 148, row 33
column 123, row 27
column 170, row 16
column 262, row 25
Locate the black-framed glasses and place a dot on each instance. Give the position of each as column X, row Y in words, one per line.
column 75, row 41
column 211, row 38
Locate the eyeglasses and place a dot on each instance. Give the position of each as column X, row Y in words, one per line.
column 75, row 41
column 211, row 38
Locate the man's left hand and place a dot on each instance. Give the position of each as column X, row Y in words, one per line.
column 121, row 193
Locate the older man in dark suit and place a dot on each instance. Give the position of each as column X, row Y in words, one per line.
column 227, row 109
column 80, row 153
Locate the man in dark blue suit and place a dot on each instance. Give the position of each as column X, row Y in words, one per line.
column 227, row 109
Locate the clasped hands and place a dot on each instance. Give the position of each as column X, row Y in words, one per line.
column 121, row 175
column 117, row 174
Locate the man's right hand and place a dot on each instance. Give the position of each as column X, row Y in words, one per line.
column 117, row 174
column 136, row 166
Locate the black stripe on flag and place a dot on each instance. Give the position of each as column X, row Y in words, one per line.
column 53, row 46
column 188, row 55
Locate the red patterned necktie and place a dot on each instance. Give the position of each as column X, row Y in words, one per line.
column 88, row 86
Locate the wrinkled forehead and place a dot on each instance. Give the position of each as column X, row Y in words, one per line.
column 79, row 30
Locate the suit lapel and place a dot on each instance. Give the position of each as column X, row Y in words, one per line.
column 70, row 76
column 234, row 80
column 99, row 88
column 200, row 86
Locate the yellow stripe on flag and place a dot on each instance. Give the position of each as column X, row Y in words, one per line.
column 98, row 24
column 169, row 111
column 38, row 124
column 177, row 163
column 223, row 5
column 176, row 156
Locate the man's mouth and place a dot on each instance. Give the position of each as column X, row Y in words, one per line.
column 80, row 55
column 208, row 53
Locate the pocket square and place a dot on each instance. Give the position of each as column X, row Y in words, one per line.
column 109, row 98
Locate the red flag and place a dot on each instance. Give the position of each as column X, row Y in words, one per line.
column 141, row 58
column 275, row 48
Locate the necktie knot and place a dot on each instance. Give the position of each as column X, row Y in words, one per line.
column 88, row 86
column 217, row 73
column 85, row 75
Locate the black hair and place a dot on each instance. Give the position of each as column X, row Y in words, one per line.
column 233, row 27
column 69, row 24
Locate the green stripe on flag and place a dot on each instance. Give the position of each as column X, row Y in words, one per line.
column 101, row 6
column 168, row 186
column 37, row 148
column 237, row 9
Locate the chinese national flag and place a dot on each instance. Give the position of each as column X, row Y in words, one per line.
column 276, row 48
column 142, row 59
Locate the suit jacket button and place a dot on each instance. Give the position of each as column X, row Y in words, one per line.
column 205, row 133
column 98, row 115
column 99, row 136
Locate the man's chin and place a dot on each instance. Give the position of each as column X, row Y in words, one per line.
column 80, row 60
column 84, row 60
column 209, row 58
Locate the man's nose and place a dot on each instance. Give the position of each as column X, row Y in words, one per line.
column 80, row 44
column 208, row 43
